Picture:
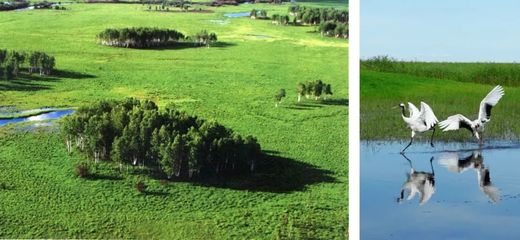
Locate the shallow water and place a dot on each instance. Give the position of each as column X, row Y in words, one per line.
column 40, row 117
column 235, row 15
column 467, row 192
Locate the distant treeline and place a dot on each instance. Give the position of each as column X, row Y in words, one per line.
column 315, row 16
column 12, row 5
column 486, row 73
column 144, row 37
column 13, row 62
column 138, row 133
column 329, row 21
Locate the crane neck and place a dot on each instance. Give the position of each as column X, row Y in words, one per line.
column 403, row 112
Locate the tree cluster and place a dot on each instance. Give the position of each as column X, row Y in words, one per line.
column 316, row 89
column 279, row 96
column 315, row 16
column 12, row 5
column 141, row 37
column 333, row 29
column 258, row 14
column 138, row 133
column 13, row 62
column 280, row 19
column 144, row 37
column 203, row 38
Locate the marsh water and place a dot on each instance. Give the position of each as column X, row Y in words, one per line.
column 238, row 14
column 451, row 191
column 39, row 117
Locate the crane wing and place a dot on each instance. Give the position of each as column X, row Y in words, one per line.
column 456, row 122
column 427, row 115
column 485, row 185
column 489, row 102
column 414, row 112
column 427, row 192
column 492, row 192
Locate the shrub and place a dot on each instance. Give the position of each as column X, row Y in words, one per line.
column 140, row 186
column 82, row 170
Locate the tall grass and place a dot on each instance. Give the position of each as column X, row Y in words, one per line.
column 507, row 74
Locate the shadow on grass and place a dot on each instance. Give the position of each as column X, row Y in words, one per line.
column 303, row 106
column 185, row 45
column 21, row 85
column 155, row 193
column 337, row 102
column 96, row 176
column 276, row 174
column 71, row 74
column 35, row 82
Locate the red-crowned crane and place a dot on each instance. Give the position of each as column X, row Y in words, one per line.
column 476, row 127
column 419, row 121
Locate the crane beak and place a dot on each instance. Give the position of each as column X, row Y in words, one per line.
column 395, row 107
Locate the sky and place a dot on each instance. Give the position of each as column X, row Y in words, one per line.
column 441, row 30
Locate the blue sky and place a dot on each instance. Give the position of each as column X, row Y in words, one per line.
column 441, row 30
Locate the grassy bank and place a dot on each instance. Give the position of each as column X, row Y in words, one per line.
column 382, row 91
column 507, row 74
column 233, row 83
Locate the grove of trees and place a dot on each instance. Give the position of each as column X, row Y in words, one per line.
column 12, row 5
column 13, row 62
column 258, row 14
column 331, row 22
column 145, row 37
column 279, row 96
column 333, row 29
column 316, row 89
column 135, row 132
column 204, row 38
column 141, row 37
column 280, row 19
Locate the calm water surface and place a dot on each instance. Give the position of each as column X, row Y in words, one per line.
column 40, row 117
column 452, row 191
column 239, row 14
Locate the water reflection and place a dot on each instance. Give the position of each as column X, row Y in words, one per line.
column 418, row 182
column 475, row 161
column 454, row 195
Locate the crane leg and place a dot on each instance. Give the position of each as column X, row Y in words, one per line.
column 431, row 139
column 411, row 140
column 431, row 165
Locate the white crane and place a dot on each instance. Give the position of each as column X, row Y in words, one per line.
column 419, row 121
column 422, row 183
column 484, row 116
column 474, row 161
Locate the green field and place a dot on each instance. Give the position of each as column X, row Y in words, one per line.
column 233, row 82
column 384, row 87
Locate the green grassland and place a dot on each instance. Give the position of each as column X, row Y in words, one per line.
column 233, row 83
column 381, row 91
column 507, row 74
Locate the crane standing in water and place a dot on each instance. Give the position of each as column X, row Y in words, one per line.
column 419, row 121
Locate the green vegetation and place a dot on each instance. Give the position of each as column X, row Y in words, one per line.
column 139, row 37
column 279, row 96
column 301, row 194
column 137, row 133
column 507, row 74
column 13, row 62
column 144, row 37
column 381, row 91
